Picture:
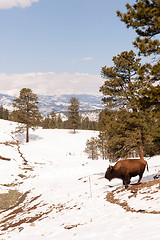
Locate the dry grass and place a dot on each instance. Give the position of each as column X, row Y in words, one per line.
column 9, row 199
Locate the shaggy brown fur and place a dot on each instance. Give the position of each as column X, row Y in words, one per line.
column 126, row 169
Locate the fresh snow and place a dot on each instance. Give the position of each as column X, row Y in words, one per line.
column 68, row 191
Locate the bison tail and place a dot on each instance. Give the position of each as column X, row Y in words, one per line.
column 147, row 167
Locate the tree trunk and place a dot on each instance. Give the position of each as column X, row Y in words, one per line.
column 140, row 145
column 27, row 130
column 27, row 134
column 27, row 127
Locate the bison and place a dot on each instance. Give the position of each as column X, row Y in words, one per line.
column 126, row 169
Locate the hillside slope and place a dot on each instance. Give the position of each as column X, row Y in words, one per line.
column 61, row 194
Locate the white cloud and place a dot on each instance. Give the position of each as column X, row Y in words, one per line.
column 6, row 4
column 51, row 83
column 87, row 59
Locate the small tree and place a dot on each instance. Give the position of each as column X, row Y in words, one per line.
column 49, row 122
column 46, row 123
column 59, row 122
column 102, row 145
column 26, row 110
column 92, row 148
column 4, row 113
column 73, row 113
column 52, row 117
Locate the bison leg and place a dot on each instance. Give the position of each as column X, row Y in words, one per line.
column 126, row 181
column 140, row 177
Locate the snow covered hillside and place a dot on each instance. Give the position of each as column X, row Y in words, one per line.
column 63, row 195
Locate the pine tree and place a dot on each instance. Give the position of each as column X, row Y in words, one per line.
column 45, row 123
column 133, row 90
column 26, row 110
column 73, row 113
column 85, row 123
column 103, row 144
column 144, row 17
column 59, row 122
column 4, row 113
column 1, row 111
column 122, row 90
column 92, row 148
column 122, row 85
column 52, row 117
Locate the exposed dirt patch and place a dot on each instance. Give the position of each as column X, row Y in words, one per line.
column 10, row 143
column 9, row 199
column 120, row 195
column 4, row 158
column 28, row 209
column 68, row 227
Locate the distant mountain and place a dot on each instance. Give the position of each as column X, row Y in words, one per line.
column 6, row 101
column 88, row 103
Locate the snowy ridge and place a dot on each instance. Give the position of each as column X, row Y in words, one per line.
column 64, row 194
column 57, row 103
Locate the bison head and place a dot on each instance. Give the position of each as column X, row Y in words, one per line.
column 109, row 173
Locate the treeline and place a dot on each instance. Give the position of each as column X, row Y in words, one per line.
column 54, row 120
column 4, row 113
column 26, row 111
column 122, row 133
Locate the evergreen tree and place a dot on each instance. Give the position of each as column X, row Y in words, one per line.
column 122, row 85
column 26, row 110
column 73, row 113
column 59, row 122
column 92, row 148
column 4, row 113
column 50, row 121
column 129, row 85
column 120, row 133
column 85, row 123
column 144, row 17
column 122, row 90
column 52, row 117
column 92, row 125
column 45, row 123
column 1, row 111
column 103, row 144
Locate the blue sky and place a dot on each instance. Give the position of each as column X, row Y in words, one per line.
column 60, row 38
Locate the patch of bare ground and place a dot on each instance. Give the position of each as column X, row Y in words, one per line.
column 17, row 208
column 4, row 158
column 68, row 227
column 27, row 210
column 15, row 216
column 10, row 143
column 9, row 199
column 143, row 188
